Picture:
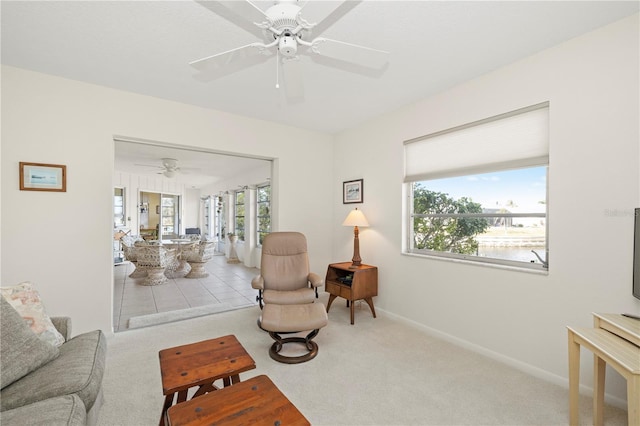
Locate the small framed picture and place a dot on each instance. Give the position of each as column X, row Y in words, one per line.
column 43, row 177
column 352, row 191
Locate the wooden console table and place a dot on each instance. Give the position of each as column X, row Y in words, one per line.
column 363, row 284
column 614, row 340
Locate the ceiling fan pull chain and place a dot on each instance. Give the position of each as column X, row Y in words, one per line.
column 277, row 68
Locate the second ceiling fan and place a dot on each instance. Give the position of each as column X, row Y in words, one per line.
column 286, row 28
column 169, row 167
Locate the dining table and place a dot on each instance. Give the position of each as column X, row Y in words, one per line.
column 180, row 244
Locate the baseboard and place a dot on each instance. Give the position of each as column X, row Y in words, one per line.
column 519, row 365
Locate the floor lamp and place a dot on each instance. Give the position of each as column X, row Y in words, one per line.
column 355, row 219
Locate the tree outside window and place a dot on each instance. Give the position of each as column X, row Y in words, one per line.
column 263, row 201
column 239, row 215
column 446, row 232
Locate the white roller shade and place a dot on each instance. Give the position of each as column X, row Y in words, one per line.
column 512, row 140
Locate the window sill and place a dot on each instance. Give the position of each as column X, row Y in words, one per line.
column 544, row 272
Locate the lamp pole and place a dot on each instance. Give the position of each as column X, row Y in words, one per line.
column 356, row 261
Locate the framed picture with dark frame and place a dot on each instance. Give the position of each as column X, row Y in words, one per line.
column 352, row 191
column 43, row 177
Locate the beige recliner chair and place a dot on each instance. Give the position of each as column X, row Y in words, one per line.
column 288, row 291
column 284, row 271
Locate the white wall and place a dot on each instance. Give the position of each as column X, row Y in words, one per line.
column 62, row 241
column 591, row 83
column 191, row 208
column 255, row 176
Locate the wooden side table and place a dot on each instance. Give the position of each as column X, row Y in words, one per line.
column 359, row 283
column 201, row 364
column 256, row 401
column 614, row 340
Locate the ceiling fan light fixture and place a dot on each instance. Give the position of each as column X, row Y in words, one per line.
column 288, row 46
column 170, row 163
column 169, row 173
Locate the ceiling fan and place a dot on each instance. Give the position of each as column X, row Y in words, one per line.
column 286, row 28
column 169, row 167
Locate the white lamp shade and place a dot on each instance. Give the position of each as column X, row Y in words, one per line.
column 355, row 218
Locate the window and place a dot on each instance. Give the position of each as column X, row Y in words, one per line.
column 479, row 192
column 263, row 201
column 220, row 218
column 239, row 214
column 169, row 216
column 118, row 207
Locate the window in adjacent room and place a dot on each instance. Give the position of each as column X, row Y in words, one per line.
column 239, row 213
column 263, row 201
column 118, row 208
column 478, row 192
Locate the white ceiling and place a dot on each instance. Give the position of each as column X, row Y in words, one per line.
column 198, row 168
column 145, row 47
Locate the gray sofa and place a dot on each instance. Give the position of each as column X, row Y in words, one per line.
column 42, row 384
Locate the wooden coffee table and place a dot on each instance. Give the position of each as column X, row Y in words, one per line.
column 256, row 401
column 201, row 364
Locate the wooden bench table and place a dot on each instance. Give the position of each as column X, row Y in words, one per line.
column 201, row 364
column 614, row 341
column 256, row 401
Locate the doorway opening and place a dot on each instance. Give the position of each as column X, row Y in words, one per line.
column 165, row 207
column 160, row 215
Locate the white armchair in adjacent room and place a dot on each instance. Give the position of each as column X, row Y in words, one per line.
column 130, row 253
column 154, row 259
column 197, row 258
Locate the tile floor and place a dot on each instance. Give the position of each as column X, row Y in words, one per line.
column 228, row 283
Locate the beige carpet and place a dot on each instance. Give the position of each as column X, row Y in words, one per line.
column 376, row 372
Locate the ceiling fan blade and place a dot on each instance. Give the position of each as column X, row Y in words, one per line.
column 149, row 165
column 292, row 73
column 188, row 170
column 244, row 8
column 223, row 59
column 348, row 52
column 323, row 14
column 240, row 12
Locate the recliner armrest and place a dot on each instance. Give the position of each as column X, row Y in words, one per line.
column 63, row 325
column 258, row 282
column 315, row 280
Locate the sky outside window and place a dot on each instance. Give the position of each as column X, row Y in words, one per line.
column 520, row 190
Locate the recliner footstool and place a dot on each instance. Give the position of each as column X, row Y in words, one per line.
column 278, row 319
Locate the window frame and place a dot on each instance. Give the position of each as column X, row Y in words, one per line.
column 416, row 172
column 531, row 266
column 119, row 207
column 258, row 216
column 240, row 233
